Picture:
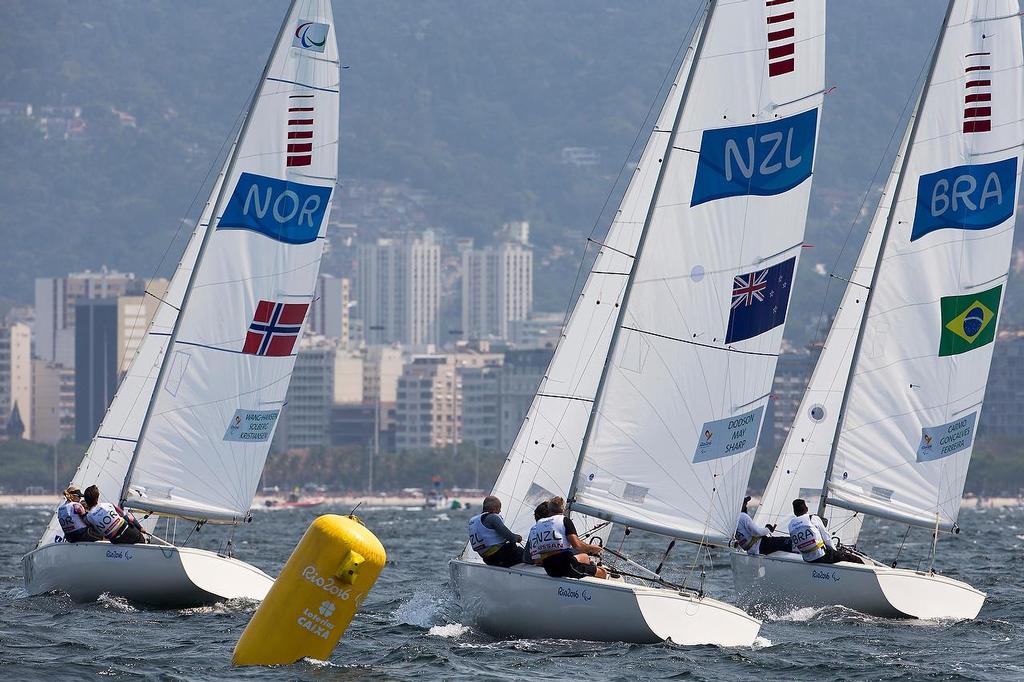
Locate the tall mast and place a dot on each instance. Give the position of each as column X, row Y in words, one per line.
column 199, row 256
column 702, row 27
column 881, row 255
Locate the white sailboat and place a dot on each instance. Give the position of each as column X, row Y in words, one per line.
column 887, row 425
column 649, row 412
column 187, row 433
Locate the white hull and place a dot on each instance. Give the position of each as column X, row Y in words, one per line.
column 782, row 580
column 158, row 575
column 523, row 601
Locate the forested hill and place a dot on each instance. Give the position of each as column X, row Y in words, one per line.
column 472, row 103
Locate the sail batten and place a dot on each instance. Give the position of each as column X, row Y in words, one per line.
column 672, row 438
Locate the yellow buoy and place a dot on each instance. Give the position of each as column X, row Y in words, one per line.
column 316, row 596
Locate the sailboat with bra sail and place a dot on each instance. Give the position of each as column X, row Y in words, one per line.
column 188, row 430
column 887, row 424
column 650, row 410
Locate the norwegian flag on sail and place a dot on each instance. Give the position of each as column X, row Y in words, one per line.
column 274, row 329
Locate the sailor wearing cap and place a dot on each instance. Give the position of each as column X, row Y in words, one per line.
column 71, row 515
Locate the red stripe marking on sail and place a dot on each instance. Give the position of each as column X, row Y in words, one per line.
column 975, row 112
column 300, row 109
column 300, row 160
column 978, row 84
column 780, row 35
column 977, row 68
column 300, row 135
column 982, row 126
column 978, row 97
column 779, row 68
column 301, row 147
column 780, row 17
column 781, row 51
column 772, row 3
column 300, row 122
column 299, row 96
column 979, row 54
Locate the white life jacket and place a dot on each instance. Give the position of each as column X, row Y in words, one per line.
column 482, row 538
column 548, row 537
column 105, row 519
column 70, row 515
column 747, row 538
column 807, row 539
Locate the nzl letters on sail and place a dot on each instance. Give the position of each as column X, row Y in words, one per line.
column 287, row 211
column 761, row 159
column 973, row 197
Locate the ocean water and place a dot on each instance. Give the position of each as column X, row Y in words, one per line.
column 410, row 628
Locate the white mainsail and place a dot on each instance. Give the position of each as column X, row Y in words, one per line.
column 542, row 459
column 678, row 413
column 920, row 367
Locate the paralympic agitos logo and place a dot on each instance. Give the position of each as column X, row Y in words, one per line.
column 310, row 35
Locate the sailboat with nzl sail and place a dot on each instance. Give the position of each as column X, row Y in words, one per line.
column 887, row 424
column 649, row 413
column 187, row 433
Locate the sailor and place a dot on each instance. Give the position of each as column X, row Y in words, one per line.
column 539, row 512
column 555, row 542
column 111, row 521
column 71, row 515
column 812, row 539
column 755, row 539
column 491, row 538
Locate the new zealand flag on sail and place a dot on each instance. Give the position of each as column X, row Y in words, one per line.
column 759, row 301
column 274, row 328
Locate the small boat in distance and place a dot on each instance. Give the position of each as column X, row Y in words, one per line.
column 649, row 413
column 887, row 424
column 187, row 433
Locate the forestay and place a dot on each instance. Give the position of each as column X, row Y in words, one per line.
column 542, row 459
column 690, row 372
column 222, row 386
column 918, row 380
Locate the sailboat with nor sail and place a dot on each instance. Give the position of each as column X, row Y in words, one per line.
column 887, row 424
column 187, row 433
column 650, row 410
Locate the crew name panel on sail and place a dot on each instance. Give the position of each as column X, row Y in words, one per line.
column 284, row 210
column 947, row 439
column 729, row 436
column 760, row 159
column 971, row 197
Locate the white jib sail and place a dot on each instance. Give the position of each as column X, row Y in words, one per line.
column 230, row 359
column 678, row 416
column 801, row 467
column 542, row 459
column 918, row 381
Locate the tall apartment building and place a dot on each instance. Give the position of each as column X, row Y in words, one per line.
column 16, row 375
column 497, row 290
column 95, row 363
column 1000, row 416
column 53, row 402
column 481, row 405
column 521, row 374
column 399, row 290
column 305, row 417
column 134, row 313
column 329, row 314
column 429, row 404
column 55, row 299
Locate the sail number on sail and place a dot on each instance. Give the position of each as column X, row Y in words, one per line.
column 761, row 159
column 283, row 210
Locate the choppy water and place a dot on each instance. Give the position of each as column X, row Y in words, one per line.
column 409, row 627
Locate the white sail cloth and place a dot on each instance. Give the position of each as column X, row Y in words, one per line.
column 918, row 383
column 677, row 420
column 203, row 449
column 543, row 457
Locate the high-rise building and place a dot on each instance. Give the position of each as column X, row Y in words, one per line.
column 1005, row 393
column 481, row 405
column 349, row 367
column 306, row 415
column 521, row 374
column 53, row 402
column 16, row 375
column 329, row 314
column 399, row 290
column 429, row 405
column 55, row 299
column 134, row 313
column 497, row 289
column 95, row 363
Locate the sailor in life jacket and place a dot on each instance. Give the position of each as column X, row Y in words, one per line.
column 491, row 539
column 810, row 537
column 71, row 516
column 754, row 539
column 111, row 521
column 554, row 542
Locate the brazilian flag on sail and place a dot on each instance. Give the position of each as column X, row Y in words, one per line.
column 969, row 321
